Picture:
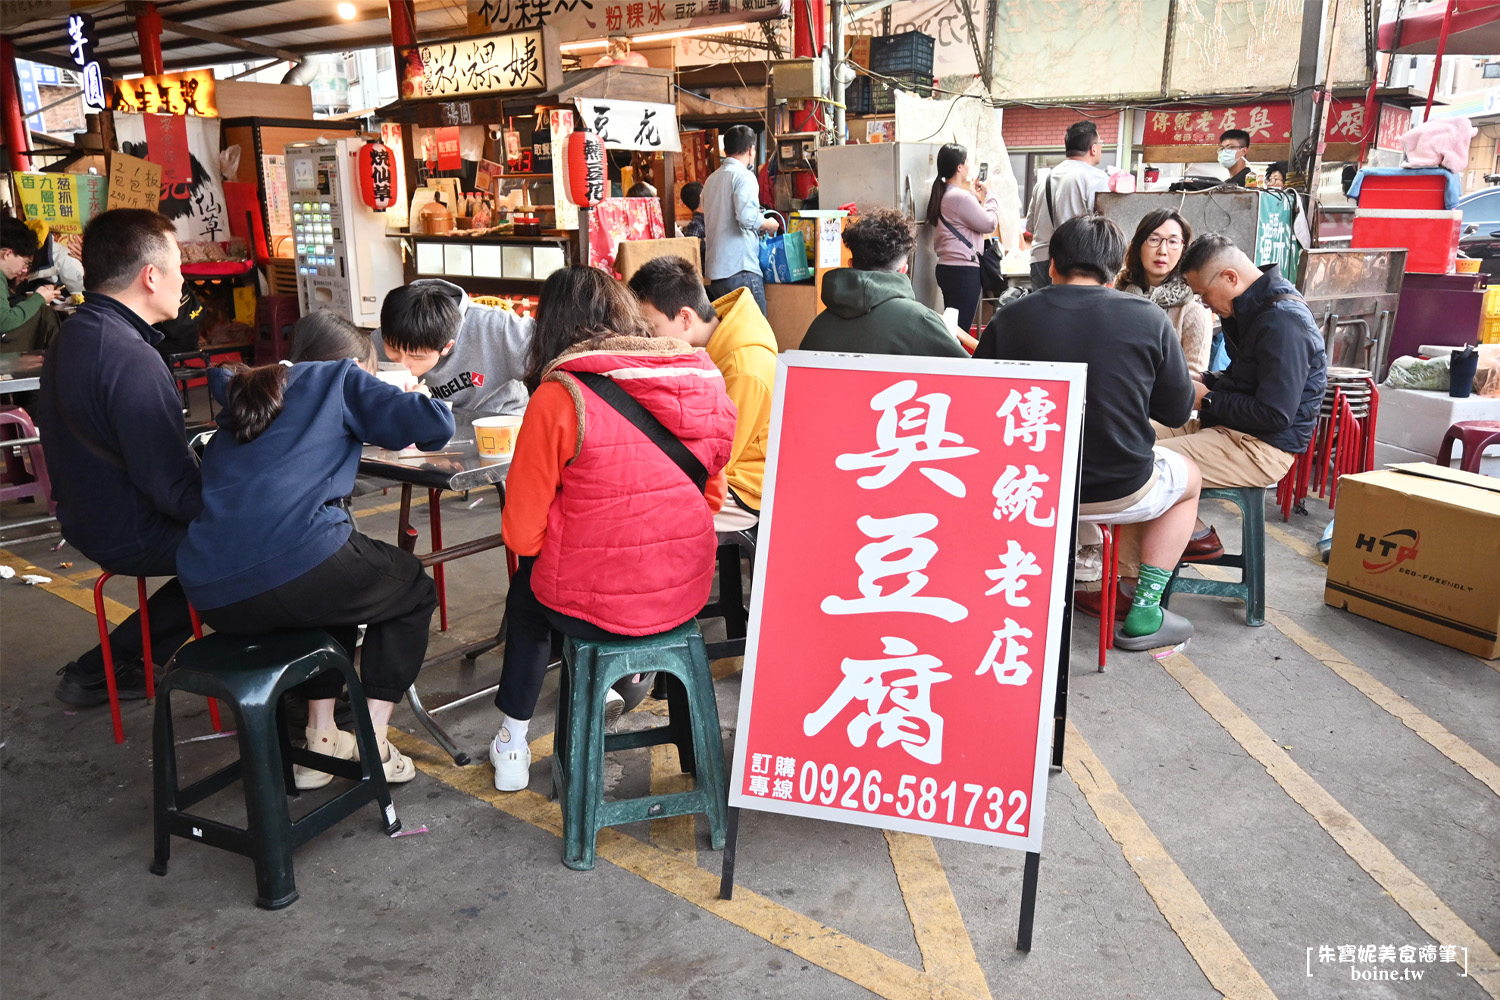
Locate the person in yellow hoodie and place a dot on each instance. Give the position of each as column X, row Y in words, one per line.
column 741, row 345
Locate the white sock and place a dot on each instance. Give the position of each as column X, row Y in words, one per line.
column 515, row 729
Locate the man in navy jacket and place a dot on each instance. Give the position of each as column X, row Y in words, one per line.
column 125, row 482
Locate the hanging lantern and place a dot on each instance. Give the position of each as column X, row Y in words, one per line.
column 377, row 185
column 585, row 169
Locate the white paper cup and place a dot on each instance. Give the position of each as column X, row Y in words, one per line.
column 496, row 436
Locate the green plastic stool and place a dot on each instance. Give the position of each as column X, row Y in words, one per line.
column 250, row 674
column 1250, row 560
column 589, row 668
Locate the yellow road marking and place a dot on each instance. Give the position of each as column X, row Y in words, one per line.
column 786, row 929
column 676, row 834
column 83, row 597
column 1282, row 535
column 942, row 937
column 1410, row 892
column 383, row 508
column 1413, row 718
column 1205, row 938
column 727, row 667
column 1409, row 715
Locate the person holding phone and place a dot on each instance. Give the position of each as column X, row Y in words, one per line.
column 961, row 217
column 26, row 321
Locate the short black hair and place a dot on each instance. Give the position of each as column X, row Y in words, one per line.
column 1088, row 246
column 1237, row 134
column 419, row 317
column 739, row 139
column 1204, row 251
column 1081, row 137
column 1278, row 167
column 118, row 243
column 17, row 237
column 879, row 239
column 692, row 195
column 669, row 284
column 640, row 189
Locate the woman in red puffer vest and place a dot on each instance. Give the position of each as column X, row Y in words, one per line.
column 614, row 538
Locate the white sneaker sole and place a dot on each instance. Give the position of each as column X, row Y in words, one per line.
column 511, row 775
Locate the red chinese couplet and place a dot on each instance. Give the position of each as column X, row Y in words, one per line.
column 911, row 567
column 167, row 144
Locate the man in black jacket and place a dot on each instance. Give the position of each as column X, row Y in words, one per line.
column 125, row 482
column 1136, row 374
column 1257, row 415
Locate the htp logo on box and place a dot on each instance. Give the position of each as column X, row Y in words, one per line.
column 1392, row 549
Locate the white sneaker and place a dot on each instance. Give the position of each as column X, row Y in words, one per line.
column 614, row 707
column 512, row 762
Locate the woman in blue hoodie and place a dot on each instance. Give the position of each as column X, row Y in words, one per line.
column 275, row 548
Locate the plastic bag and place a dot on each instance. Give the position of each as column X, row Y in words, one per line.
column 1408, row 372
column 1487, row 378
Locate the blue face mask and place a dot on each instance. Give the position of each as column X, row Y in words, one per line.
column 1227, row 157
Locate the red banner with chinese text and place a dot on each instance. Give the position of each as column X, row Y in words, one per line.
column 1268, row 122
column 901, row 666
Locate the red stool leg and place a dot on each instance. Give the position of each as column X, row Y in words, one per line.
column 109, row 657
column 147, row 663
column 435, row 516
column 1107, row 597
column 213, row 703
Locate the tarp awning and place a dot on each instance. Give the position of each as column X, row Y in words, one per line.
column 1473, row 31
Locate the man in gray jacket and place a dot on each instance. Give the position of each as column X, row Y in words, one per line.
column 469, row 355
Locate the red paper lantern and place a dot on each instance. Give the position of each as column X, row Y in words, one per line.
column 585, row 169
column 377, row 181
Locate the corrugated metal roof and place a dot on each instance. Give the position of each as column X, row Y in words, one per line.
column 291, row 27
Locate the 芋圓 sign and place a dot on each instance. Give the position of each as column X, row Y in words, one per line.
column 515, row 62
column 83, row 40
column 632, row 124
column 911, row 574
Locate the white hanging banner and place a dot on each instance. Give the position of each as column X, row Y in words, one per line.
column 632, row 124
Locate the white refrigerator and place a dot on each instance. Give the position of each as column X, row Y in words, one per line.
column 345, row 262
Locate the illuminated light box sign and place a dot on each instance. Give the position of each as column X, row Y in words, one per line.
column 190, row 93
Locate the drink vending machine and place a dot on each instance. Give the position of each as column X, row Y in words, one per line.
column 344, row 260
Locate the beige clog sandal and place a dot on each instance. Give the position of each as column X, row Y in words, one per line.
column 331, row 742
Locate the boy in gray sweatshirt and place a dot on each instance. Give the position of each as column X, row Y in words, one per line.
column 469, row 355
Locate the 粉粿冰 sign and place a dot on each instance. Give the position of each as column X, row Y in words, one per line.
column 511, row 63
column 911, row 575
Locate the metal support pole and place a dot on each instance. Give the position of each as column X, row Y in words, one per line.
column 1028, row 900
column 835, row 61
column 403, row 27
column 1305, row 103
column 12, row 115
column 731, row 846
column 148, row 32
column 807, row 43
column 1437, row 63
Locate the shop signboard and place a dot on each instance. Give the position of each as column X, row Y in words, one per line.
column 136, row 183
column 66, row 202
column 1275, row 242
column 585, row 19
column 632, row 124
column 1395, row 121
column 1268, row 122
column 83, row 40
column 903, row 654
column 513, row 62
column 190, row 93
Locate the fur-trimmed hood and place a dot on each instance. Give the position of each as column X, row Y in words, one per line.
column 614, row 343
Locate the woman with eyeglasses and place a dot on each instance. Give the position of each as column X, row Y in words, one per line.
column 1153, row 269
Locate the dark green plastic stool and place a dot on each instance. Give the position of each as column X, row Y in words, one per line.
column 1250, row 560
column 730, row 606
column 250, row 674
column 589, row 668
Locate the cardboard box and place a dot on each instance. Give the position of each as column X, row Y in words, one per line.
column 1418, row 548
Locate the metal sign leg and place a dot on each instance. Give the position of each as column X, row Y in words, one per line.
column 1028, row 900
column 731, row 840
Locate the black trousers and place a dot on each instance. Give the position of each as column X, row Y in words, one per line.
column 367, row 582
column 960, row 285
column 532, row 632
column 171, row 624
column 1041, row 274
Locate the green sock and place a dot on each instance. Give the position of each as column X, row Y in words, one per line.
column 1145, row 609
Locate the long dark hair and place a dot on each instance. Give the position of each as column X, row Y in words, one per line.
column 253, row 398
column 949, row 159
column 577, row 303
column 1135, row 271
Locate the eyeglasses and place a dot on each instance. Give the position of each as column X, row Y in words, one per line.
column 1172, row 242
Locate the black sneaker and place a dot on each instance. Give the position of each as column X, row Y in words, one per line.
column 82, row 691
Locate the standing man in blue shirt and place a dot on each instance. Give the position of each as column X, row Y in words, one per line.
column 732, row 221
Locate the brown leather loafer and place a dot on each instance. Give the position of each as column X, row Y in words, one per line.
column 1090, row 602
column 1203, row 549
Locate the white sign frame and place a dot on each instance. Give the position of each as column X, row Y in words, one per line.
column 626, row 118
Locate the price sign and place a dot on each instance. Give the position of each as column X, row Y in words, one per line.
column 901, row 666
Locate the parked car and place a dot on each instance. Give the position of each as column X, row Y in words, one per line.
column 1481, row 208
column 1484, row 244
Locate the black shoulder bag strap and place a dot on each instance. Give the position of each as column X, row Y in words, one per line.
column 55, row 398
column 1051, row 212
column 960, row 235
column 645, row 421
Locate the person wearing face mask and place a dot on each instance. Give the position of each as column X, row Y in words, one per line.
column 1234, row 153
column 1066, row 192
column 1153, row 269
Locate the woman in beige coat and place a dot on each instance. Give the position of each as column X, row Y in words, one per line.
column 1152, row 269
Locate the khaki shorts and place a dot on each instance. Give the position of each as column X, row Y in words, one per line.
column 1226, row 457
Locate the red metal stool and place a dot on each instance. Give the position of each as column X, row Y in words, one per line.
column 18, row 480
column 1475, row 436
column 109, row 656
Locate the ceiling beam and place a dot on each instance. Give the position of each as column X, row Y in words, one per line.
column 178, row 28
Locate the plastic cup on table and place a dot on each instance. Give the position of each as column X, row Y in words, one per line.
column 495, row 437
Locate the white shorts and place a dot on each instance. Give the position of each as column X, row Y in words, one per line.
column 734, row 516
column 1171, row 470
